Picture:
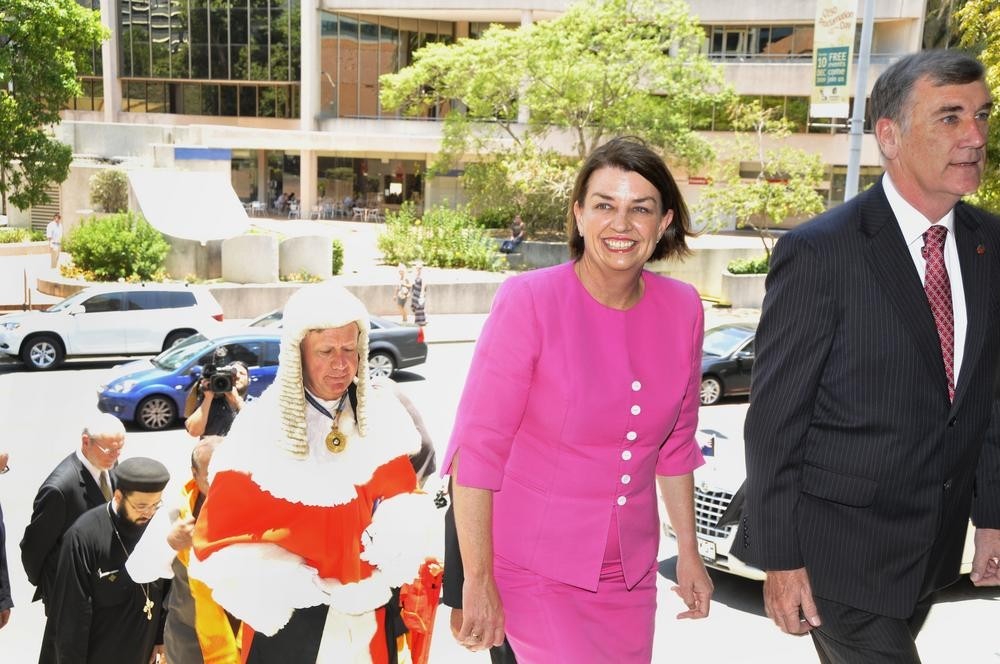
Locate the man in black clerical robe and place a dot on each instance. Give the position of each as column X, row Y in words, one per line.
column 101, row 615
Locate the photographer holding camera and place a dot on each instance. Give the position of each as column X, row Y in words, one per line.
column 221, row 391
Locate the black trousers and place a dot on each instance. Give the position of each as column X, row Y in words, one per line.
column 853, row 636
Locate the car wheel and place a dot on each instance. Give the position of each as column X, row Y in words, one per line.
column 175, row 338
column 711, row 390
column 155, row 413
column 42, row 352
column 381, row 365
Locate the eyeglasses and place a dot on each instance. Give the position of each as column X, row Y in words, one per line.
column 145, row 509
column 107, row 450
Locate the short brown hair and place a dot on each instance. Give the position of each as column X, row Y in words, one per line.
column 631, row 154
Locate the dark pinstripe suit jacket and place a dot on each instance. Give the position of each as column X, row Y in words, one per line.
column 858, row 467
column 68, row 492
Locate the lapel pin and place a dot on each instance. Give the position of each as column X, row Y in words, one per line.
column 980, row 250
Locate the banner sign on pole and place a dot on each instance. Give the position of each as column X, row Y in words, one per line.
column 833, row 52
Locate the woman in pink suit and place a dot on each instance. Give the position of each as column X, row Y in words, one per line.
column 583, row 394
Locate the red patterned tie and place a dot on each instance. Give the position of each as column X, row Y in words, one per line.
column 938, row 289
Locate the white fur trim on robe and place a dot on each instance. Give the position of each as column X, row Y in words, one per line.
column 152, row 558
column 405, row 531
column 357, row 597
column 322, row 479
column 261, row 584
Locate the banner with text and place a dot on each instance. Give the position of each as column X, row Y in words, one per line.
column 833, row 51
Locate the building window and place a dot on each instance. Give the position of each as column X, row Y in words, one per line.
column 200, row 57
column 356, row 50
column 742, row 42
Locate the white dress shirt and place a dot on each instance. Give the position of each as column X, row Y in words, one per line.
column 94, row 471
column 913, row 226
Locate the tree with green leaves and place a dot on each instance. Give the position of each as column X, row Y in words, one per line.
column 43, row 43
column 602, row 69
column 785, row 185
column 978, row 23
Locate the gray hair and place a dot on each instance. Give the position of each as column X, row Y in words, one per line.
column 100, row 425
column 891, row 92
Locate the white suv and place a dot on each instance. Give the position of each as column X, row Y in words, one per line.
column 109, row 319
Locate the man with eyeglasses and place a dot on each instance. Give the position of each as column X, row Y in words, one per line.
column 81, row 481
column 100, row 614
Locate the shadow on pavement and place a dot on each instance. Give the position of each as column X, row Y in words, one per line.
column 10, row 366
column 404, row 376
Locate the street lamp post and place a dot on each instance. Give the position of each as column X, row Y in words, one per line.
column 860, row 93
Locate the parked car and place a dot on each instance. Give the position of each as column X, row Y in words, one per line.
column 726, row 361
column 718, row 497
column 152, row 392
column 109, row 319
column 391, row 346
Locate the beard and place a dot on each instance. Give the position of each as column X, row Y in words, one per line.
column 129, row 530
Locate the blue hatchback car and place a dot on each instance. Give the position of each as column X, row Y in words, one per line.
column 152, row 392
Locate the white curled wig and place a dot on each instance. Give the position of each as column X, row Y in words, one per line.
column 316, row 307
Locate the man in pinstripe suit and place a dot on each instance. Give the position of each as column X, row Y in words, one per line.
column 865, row 434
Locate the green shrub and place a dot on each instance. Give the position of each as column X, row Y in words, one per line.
column 109, row 190
column 19, row 234
column 337, row 248
column 120, row 246
column 499, row 217
column 748, row 265
column 445, row 237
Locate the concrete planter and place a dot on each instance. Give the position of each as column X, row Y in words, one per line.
column 188, row 257
column 743, row 291
column 24, row 248
column 250, row 259
column 306, row 254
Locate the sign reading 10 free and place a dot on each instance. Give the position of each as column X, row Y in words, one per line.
column 831, row 65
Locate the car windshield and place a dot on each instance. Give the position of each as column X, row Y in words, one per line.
column 75, row 298
column 272, row 319
column 176, row 357
column 722, row 341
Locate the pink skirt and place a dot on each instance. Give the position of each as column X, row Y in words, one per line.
column 549, row 622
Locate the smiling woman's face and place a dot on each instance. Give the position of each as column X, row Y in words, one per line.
column 621, row 219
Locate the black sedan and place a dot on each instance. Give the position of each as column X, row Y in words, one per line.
column 726, row 361
column 391, row 346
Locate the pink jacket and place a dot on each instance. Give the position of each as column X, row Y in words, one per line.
column 570, row 411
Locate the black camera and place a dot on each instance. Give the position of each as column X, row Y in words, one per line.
column 220, row 378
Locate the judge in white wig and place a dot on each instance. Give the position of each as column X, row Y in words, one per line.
column 314, row 516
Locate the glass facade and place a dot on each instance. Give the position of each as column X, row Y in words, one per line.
column 205, row 57
column 793, row 109
column 763, row 42
column 356, row 50
column 92, row 96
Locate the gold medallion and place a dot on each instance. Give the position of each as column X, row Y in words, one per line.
column 336, row 442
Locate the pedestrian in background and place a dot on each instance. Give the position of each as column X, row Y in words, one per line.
column 418, row 295
column 511, row 244
column 866, row 438
column 54, row 234
column 582, row 396
column 6, row 602
column 403, row 290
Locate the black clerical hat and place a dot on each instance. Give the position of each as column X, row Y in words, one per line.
column 141, row 474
